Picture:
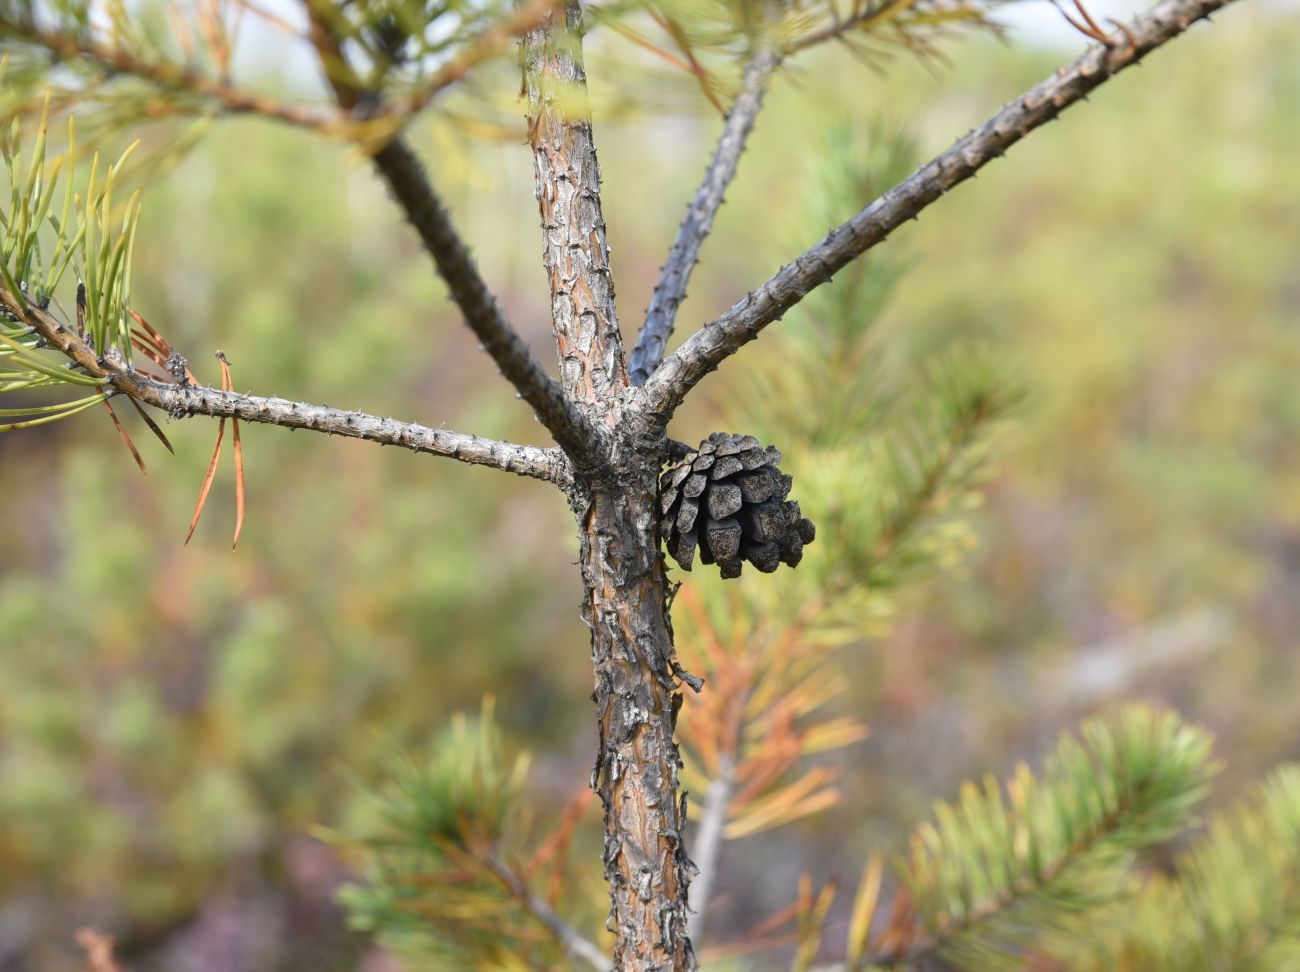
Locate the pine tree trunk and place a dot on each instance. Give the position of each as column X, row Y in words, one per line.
column 615, row 503
column 636, row 702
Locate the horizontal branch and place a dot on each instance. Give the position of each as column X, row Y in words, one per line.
column 180, row 400
column 414, row 193
column 741, row 323
column 683, row 256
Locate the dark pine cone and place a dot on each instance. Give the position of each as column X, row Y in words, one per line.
column 728, row 497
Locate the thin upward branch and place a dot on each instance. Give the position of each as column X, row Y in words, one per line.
column 180, row 400
column 741, row 323
column 414, row 193
column 683, row 256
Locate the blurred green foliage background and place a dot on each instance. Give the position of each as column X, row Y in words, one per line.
column 176, row 723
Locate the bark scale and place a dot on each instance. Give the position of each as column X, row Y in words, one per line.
column 625, row 602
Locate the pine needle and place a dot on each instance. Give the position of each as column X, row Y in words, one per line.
column 126, row 438
column 227, row 384
column 207, row 481
column 153, row 426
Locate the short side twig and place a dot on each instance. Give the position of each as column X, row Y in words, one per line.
column 714, row 342
column 683, row 256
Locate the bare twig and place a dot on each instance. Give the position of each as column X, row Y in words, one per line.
column 573, row 941
column 178, row 400
column 676, row 274
column 414, row 193
column 190, row 399
column 740, row 324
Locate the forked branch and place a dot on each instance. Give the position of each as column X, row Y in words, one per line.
column 683, row 256
column 414, row 193
column 741, row 323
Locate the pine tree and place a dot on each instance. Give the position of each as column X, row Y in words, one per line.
column 883, row 473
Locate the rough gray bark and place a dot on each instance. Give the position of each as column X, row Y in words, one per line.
column 742, row 322
column 685, row 252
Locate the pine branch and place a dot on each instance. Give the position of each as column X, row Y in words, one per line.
column 414, row 193
column 713, row 343
column 683, row 256
column 189, row 399
column 167, row 76
column 931, row 464
column 905, row 15
column 988, row 879
column 1233, row 901
column 182, row 400
column 526, row 16
column 573, row 941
